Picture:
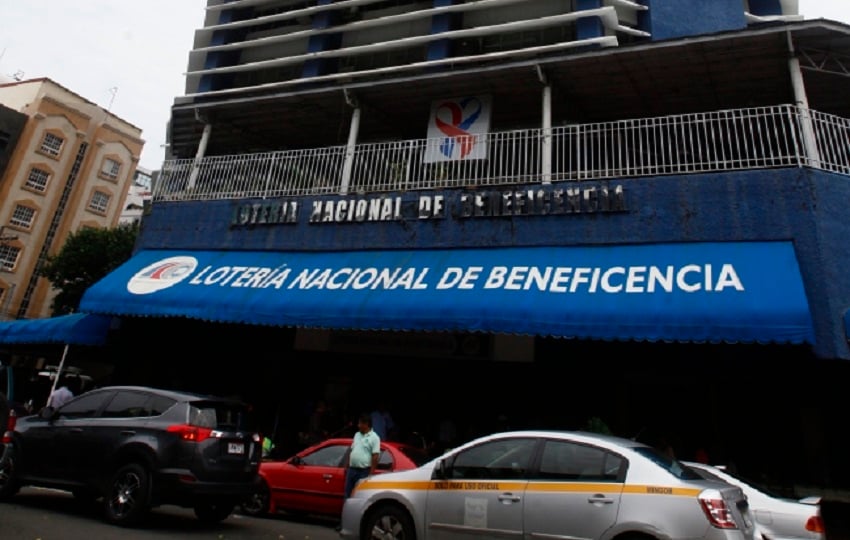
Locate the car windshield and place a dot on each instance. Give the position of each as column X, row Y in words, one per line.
column 673, row 466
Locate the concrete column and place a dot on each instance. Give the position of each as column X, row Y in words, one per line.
column 546, row 146
column 199, row 155
column 349, row 150
column 810, row 144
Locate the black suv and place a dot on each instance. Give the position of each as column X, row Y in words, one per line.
column 137, row 448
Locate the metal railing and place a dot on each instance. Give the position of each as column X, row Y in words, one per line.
column 727, row 140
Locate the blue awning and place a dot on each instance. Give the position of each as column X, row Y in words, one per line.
column 734, row 292
column 73, row 329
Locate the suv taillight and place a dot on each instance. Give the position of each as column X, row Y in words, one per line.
column 716, row 510
column 10, row 427
column 815, row 524
column 190, row 433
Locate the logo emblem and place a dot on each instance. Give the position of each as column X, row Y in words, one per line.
column 162, row 274
column 461, row 117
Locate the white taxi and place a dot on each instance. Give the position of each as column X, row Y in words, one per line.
column 547, row 484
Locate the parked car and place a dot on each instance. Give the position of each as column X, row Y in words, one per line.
column 776, row 517
column 313, row 480
column 547, row 484
column 136, row 448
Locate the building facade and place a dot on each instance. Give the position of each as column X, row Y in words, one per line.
column 511, row 213
column 138, row 196
column 70, row 166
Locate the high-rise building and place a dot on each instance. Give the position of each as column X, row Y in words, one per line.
column 67, row 163
column 570, row 209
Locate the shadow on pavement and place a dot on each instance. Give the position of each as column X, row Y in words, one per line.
column 161, row 519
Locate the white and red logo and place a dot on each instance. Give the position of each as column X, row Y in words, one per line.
column 162, row 274
column 457, row 130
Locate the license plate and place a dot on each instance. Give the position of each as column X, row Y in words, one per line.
column 235, row 448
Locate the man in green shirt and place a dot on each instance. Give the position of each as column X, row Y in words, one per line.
column 365, row 451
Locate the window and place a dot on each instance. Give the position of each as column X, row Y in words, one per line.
column 110, row 169
column 329, row 456
column 218, row 415
column 22, row 216
column 37, row 179
column 127, row 405
column 672, row 466
column 136, row 404
column 570, row 461
column 8, row 257
column 51, row 144
column 506, row 459
column 84, row 406
column 385, row 461
column 159, row 405
column 99, row 202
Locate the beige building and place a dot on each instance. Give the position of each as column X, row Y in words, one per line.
column 71, row 167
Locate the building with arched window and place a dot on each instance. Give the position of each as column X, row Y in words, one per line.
column 70, row 166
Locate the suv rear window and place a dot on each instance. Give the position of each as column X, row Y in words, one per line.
column 221, row 416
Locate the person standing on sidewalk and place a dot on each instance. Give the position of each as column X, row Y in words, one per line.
column 365, row 451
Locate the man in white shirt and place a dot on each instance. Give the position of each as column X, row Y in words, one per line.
column 62, row 394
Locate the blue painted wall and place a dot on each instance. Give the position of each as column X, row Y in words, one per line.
column 323, row 42
column 445, row 22
column 802, row 205
column 592, row 27
column 668, row 19
column 218, row 58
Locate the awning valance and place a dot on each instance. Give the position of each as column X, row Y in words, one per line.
column 73, row 329
column 735, row 292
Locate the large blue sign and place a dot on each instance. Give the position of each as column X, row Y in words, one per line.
column 741, row 292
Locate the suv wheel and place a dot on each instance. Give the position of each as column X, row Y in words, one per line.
column 213, row 512
column 390, row 523
column 8, row 473
column 258, row 503
column 128, row 498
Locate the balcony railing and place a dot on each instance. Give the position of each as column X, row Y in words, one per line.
column 727, row 140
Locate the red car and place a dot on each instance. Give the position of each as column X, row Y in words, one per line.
column 313, row 480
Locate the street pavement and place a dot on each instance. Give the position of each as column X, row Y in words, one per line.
column 40, row 514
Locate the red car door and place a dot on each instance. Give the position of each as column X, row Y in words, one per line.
column 312, row 482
